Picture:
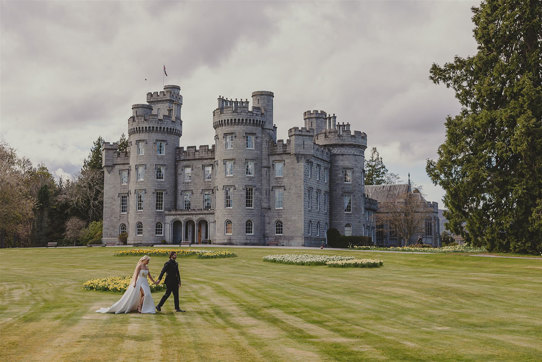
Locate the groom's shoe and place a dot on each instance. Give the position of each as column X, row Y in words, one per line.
column 180, row 310
column 158, row 308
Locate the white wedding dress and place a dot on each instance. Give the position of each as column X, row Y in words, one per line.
column 130, row 300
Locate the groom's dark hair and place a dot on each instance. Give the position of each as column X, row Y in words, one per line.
column 171, row 253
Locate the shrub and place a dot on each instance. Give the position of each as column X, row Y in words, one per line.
column 123, row 238
column 92, row 234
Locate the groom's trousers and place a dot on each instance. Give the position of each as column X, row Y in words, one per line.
column 169, row 290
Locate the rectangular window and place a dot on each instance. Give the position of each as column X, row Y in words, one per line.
column 140, row 148
column 123, row 204
column 229, row 168
column 160, row 170
column 208, row 172
column 160, row 147
column 309, row 198
column 124, row 177
column 317, row 172
column 428, row 227
column 159, row 200
column 348, row 175
column 228, row 141
column 325, row 174
column 279, row 198
column 325, row 201
column 317, row 200
column 187, row 174
column 249, row 197
column 250, row 141
column 249, row 168
column 347, row 203
column 140, row 171
column 309, row 169
column 279, row 169
column 206, row 200
column 140, row 198
column 186, row 200
column 228, row 203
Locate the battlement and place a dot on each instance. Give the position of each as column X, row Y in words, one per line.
column 303, row 131
column 194, row 153
column 314, row 114
column 170, row 93
column 232, row 112
column 343, row 137
column 111, row 156
column 281, row 146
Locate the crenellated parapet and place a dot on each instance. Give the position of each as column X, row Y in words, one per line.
column 344, row 138
column 237, row 113
column 194, row 153
column 280, row 147
column 171, row 93
column 145, row 122
column 111, row 155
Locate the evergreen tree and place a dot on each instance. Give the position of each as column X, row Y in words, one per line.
column 123, row 143
column 376, row 172
column 491, row 162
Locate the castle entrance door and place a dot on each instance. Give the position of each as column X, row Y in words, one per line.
column 202, row 231
column 177, row 232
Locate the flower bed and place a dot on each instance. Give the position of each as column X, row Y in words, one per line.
column 117, row 284
column 158, row 252
column 216, row 254
column 357, row 263
column 304, row 259
column 445, row 249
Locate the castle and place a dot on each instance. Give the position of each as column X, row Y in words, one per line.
column 247, row 189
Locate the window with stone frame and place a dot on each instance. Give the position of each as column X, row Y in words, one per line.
column 317, row 200
column 186, row 201
column 318, row 228
column 279, row 198
column 250, row 141
column 228, row 201
column 228, row 141
column 279, row 168
column 278, row 227
column 249, row 168
column 123, row 204
column 309, row 231
column 160, row 172
column 347, row 203
column 140, row 172
column 207, row 200
column 325, row 202
column 160, row 147
column 249, row 197
column 159, row 200
column 124, row 177
column 139, row 228
column 228, row 168
column 208, row 172
column 249, row 227
column 326, row 171
column 318, row 167
column 348, row 175
column 309, row 198
column 159, row 229
column 228, row 227
column 428, row 227
column 140, row 145
column 122, row 228
column 309, row 168
column 140, row 198
column 187, row 174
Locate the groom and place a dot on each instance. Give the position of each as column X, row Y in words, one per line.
column 173, row 281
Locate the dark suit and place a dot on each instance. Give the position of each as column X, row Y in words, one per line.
column 173, row 279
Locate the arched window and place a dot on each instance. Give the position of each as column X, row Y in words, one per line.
column 228, row 227
column 139, row 229
column 159, row 229
column 122, row 228
column 248, row 227
column 348, row 230
column 278, row 227
column 310, row 228
column 318, row 228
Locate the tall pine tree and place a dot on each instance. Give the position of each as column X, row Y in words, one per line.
column 491, row 162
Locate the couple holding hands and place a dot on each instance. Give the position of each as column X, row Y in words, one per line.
column 138, row 294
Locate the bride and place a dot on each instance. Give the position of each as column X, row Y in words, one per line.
column 138, row 294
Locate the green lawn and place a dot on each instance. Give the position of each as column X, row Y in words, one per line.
column 415, row 307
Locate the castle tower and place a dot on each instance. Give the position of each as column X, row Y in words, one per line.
column 315, row 120
column 346, row 186
column 242, row 166
column 154, row 132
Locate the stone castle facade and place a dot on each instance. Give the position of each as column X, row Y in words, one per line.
column 247, row 189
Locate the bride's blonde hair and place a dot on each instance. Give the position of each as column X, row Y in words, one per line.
column 139, row 263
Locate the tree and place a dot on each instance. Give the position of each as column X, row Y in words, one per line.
column 74, row 228
column 122, row 144
column 376, row 172
column 490, row 164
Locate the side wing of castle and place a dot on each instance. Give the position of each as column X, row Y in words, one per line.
column 247, row 189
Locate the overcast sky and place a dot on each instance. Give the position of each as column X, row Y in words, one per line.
column 70, row 71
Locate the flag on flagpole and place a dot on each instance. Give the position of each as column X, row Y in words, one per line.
column 165, row 70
